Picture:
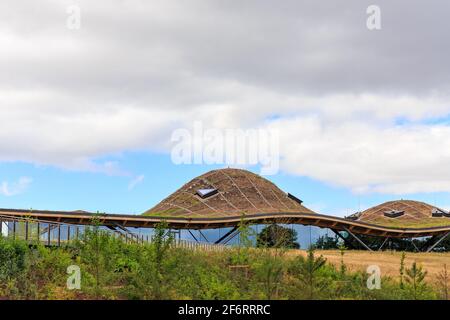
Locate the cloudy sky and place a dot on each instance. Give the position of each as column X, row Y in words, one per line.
column 87, row 114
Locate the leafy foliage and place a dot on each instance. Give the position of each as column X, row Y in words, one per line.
column 442, row 283
column 275, row 236
column 402, row 270
column 415, row 277
column 326, row 242
column 306, row 270
column 114, row 269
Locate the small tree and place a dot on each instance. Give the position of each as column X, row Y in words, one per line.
column 269, row 269
column 13, row 256
column 275, row 236
column 241, row 255
column 275, row 239
column 161, row 242
column 90, row 253
column 98, row 252
column 306, row 270
column 326, row 242
column 343, row 267
column 442, row 282
column 402, row 270
column 415, row 278
column 150, row 277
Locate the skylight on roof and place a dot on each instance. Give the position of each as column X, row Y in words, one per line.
column 393, row 213
column 290, row 196
column 439, row 213
column 205, row 193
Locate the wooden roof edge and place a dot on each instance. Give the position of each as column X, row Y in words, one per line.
column 301, row 218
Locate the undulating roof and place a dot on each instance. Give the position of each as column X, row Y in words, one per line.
column 227, row 193
column 405, row 213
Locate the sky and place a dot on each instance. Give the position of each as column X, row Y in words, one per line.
column 91, row 93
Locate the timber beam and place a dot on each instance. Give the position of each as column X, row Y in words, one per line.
column 226, row 235
column 357, row 239
column 439, row 241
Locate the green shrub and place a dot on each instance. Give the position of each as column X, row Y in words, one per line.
column 307, row 272
column 113, row 269
column 12, row 259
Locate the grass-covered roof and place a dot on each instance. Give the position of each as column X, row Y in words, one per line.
column 238, row 192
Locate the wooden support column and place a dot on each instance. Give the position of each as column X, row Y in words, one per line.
column 48, row 234
column 357, row 239
column 26, row 230
column 346, row 241
column 190, row 232
column 226, row 235
column 437, row 242
column 59, row 235
column 384, row 242
column 201, row 233
column 414, row 245
column 68, row 233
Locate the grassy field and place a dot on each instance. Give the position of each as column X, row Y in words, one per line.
column 388, row 261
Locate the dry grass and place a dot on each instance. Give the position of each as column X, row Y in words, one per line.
column 388, row 261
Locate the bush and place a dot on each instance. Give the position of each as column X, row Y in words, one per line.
column 307, row 272
column 275, row 236
column 12, row 259
column 112, row 269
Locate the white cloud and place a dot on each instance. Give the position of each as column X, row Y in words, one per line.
column 137, row 180
column 366, row 157
column 12, row 189
column 137, row 70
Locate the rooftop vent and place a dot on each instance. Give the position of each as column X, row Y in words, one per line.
column 206, row 193
column 290, row 196
column 438, row 213
column 80, row 211
column 354, row 216
column 393, row 213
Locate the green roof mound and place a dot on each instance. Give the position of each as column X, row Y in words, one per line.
column 227, row 193
column 405, row 214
